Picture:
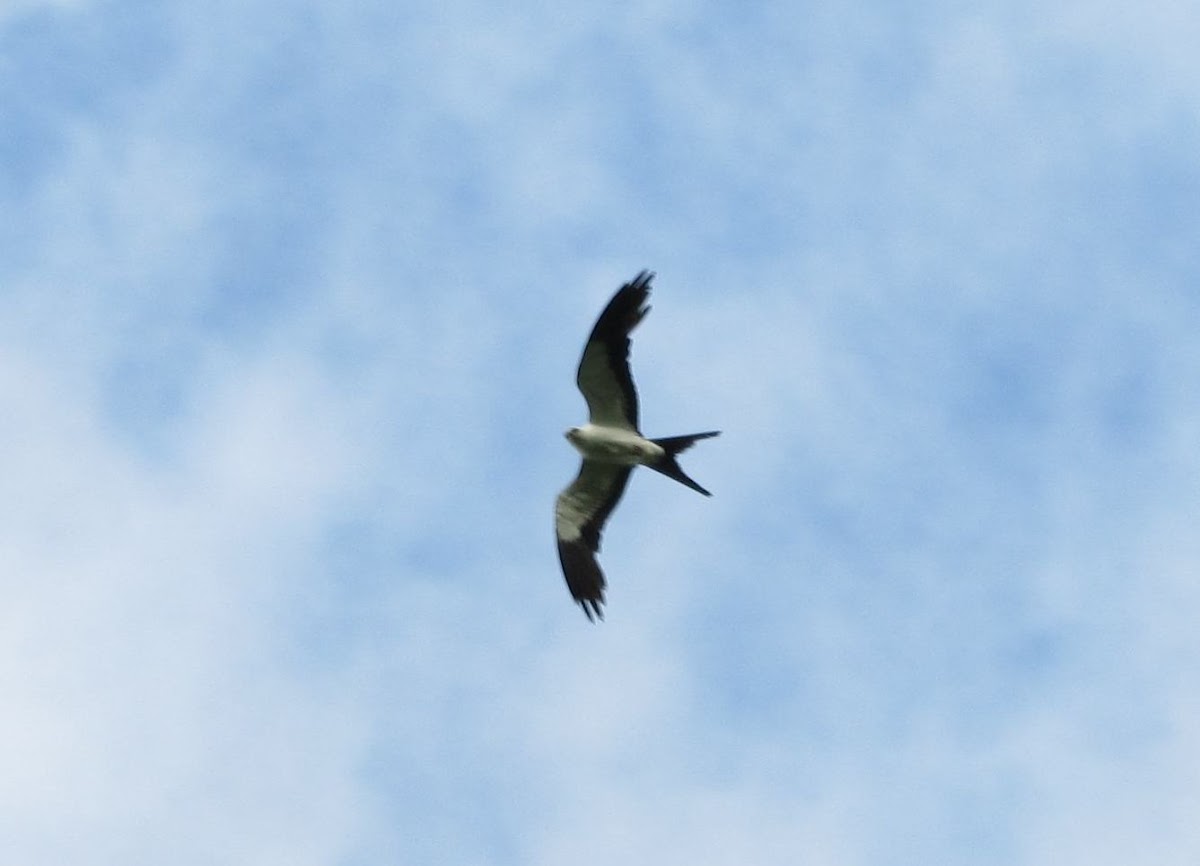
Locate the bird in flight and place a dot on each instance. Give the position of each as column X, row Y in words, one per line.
column 611, row 445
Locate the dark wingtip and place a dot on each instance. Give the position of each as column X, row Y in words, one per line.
column 624, row 311
column 585, row 580
column 643, row 278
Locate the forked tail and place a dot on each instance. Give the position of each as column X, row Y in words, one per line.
column 669, row 466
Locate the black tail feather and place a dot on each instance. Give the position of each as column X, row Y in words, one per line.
column 669, row 466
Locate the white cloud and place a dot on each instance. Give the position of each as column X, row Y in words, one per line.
column 148, row 700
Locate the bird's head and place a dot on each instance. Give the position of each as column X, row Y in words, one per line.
column 572, row 434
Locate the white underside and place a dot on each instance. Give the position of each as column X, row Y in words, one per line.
column 613, row 445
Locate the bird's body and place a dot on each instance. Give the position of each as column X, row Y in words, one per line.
column 614, row 445
column 610, row 443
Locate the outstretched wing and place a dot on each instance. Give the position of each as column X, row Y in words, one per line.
column 603, row 375
column 579, row 516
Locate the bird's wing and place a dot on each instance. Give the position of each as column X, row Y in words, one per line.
column 579, row 516
column 603, row 375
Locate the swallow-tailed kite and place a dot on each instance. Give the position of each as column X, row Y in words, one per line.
column 610, row 443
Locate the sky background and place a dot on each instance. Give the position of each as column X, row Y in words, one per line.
column 291, row 298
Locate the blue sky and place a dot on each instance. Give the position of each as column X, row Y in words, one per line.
column 291, row 297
